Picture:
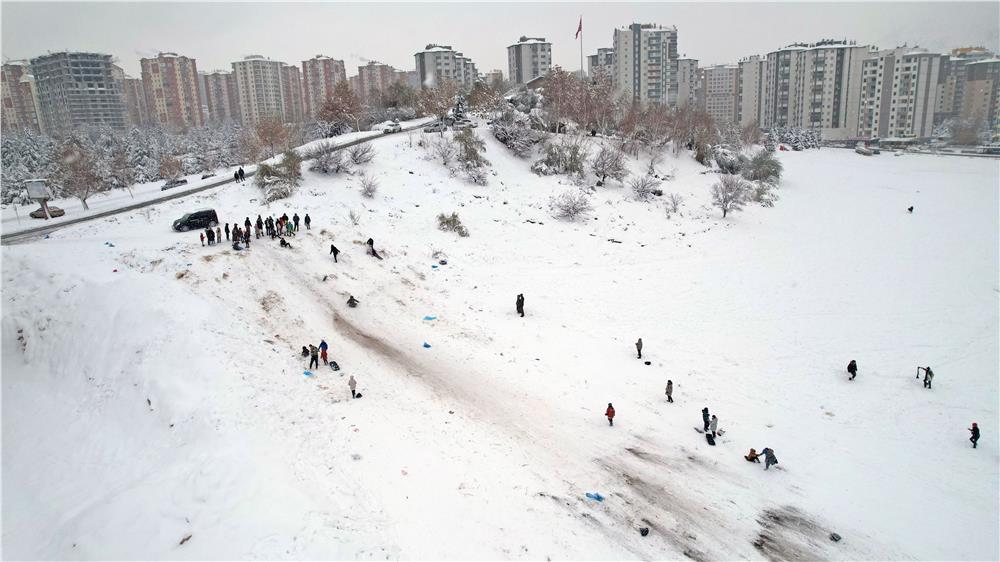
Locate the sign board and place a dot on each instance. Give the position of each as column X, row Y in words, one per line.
column 37, row 189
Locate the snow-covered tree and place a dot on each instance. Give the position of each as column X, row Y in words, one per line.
column 570, row 204
column 249, row 147
column 170, row 167
column 469, row 154
column 643, row 187
column 343, row 106
column 609, row 162
column 513, row 130
column 729, row 194
column 763, row 166
column 272, row 133
column 439, row 100
column 77, row 173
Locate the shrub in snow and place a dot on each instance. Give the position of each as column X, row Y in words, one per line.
column 570, row 204
column 469, row 148
column 609, row 162
column 453, row 224
column 368, row 186
column 762, row 192
column 567, row 155
column 362, row 153
column 477, row 176
column 444, row 149
column 702, row 153
column 328, row 159
column 354, row 217
column 513, row 130
column 729, row 162
column 290, row 167
column 764, row 167
column 279, row 181
column 643, row 187
column 729, row 194
column 674, row 201
column 654, row 161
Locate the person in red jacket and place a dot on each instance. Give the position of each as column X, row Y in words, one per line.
column 611, row 414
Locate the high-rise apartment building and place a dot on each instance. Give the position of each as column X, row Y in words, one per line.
column 291, row 93
column 814, row 87
column 19, row 98
column 171, row 85
column 898, row 93
column 493, row 77
column 409, row 77
column 373, row 79
column 259, row 87
column 135, row 102
column 319, row 75
column 78, row 89
column 951, row 80
column 528, row 59
column 721, row 86
column 645, row 63
column 981, row 95
column 602, row 63
column 751, row 90
column 689, row 84
column 437, row 63
column 221, row 97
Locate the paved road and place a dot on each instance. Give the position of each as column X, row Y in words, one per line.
column 39, row 231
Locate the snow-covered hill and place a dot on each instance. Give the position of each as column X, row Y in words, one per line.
column 152, row 388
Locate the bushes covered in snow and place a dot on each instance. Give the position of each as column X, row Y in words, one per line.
column 609, row 162
column 570, row 204
column 728, row 161
column 452, row 223
column 279, row 181
column 764, row 167
column 361, row 153
column 369, row 186
column 513, row 130
column 729, row 194
column 643, row 187
column 674, row 201
column 327, row 158
column 565, row 155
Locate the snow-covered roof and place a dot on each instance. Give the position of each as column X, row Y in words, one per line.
column 531, row 41
column 432, row 48
column 993, row 60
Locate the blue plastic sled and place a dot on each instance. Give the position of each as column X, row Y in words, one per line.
column 307, row 373
column 427, row 345
column 430, row 317
column 595, row 496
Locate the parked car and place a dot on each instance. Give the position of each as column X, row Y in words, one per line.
column 393, row 127
column 197, row 219
column 436, row 127
column 172, row 183
column 459, row 125
column 39, row 213
column 206, row 176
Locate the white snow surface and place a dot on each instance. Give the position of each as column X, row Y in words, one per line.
column 484, row 445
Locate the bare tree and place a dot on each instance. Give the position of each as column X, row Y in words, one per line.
column 343, row 106
column 122, row 171
column 609, row 162
column 271, row 132
column 249, row 148
column 170, row 167
column 437, row 101
column 570, row 204
column 729, row 194
column 445, row 150
column 77, row 172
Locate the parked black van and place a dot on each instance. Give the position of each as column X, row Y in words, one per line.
column 198, row 219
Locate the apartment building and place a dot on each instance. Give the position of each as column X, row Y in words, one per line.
column 815, row 86
column 78, row 89
column 409, row 77
column 951, row 80
column 750, row 100
column 689, row 84
column 601, row 63
column 259, row 88
column 319, row 75
column 898, row 93
column 493, row 77
column 19, row 98
column 135, row 101
column 437, row 63
column 221, row 96
column 528, row 59
column 645, row 63
column 170, row 82
column 373, row 79
column 981, row 94
column 291, row 93
column 721, row 85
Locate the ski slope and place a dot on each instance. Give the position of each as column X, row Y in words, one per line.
column 484, row 444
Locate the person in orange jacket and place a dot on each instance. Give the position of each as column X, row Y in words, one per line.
column 610, row 412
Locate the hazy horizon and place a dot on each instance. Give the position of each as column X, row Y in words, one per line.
column 216, row 34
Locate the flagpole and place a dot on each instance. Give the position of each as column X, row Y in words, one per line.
column 581, row 48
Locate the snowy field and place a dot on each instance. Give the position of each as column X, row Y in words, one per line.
column 153, row 391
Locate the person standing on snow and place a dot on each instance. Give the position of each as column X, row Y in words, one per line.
column 610, row 412
column 211, row 236
column 295, row 219
column 353, row 384
column 236, row 177
column 218, row 234
column 713, row 426
column 704, row 416
column 975, row 434
column 670, row 391
column 202, row 235
column 247, row 225
column 313, row 356
column 519, row 304
column 259, row 230
column 322, row 351
column 334, row 251
column 227, row 232
column 928, row 377
column 769, row 457
column 243, row 176
column 852, row 368
column 638, row 347
column 308, row 222
column 288, row 229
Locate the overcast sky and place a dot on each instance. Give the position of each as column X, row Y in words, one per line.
column 218, row 33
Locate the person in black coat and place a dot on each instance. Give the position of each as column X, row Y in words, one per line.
column 308, row 221
column 334, row 251
column 243, row 176
column 227, row 231
column 295, row 221
column 975, row 434
column 705, row 416
column 519, row 304
column 236, row 177
column 852, row 368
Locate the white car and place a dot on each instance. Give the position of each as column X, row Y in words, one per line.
column 459, row 125
column 392, row 128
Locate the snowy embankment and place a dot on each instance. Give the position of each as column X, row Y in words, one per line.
column 15, row 218
column 484, row 444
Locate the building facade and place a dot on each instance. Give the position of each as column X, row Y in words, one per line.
column 721, row 85
column 221, row 97
column 319, row 75
column 373, row 79
column 493, row 77
column 76, row 90
column 689, row 84
column 528, row 59
column 437, row 63
column 172, row 97
column 291, row 93
column 899, row 93
column 981, row 95
column 135, row 102
column 259, row 88
column 602, row 63
column 645, row 63
column 751, row 90
column 951, row 80
column 19, row 98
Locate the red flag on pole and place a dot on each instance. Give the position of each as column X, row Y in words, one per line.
column 579, row 29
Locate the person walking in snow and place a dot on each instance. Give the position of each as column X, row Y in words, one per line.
column 259, row 227
column 243, row 176
column 236, row 177
column 975, row 434
column 371, row 249
column 247, row 225
column 322, row 351
column 928, row 377
column 670, row 391
column 353, row 384
column 352, row 302
column 638, row 347
column 769, row 457
column 519, row 304
column 211, row 236
column 852, row 368
column 295, row 220
column 227, row 232
column 610, row 412
column 704, row 416
column 218, row 234
column 313, row 356
column 308, row 221
column 713, row 426
column 202, row 235
column 334, row 251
